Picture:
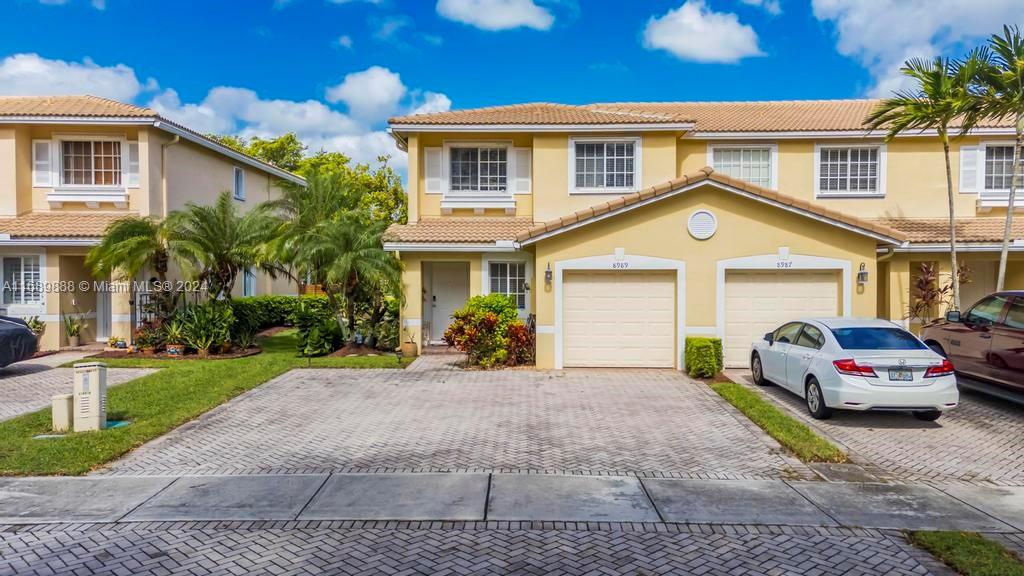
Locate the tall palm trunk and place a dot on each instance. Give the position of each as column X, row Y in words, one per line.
column 1011, row 203
column 952, row 223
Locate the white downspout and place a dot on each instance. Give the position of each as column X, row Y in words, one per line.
column 163, row 172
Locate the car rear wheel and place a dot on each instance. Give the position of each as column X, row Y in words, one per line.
column 757, row 370
column 927, row 415
column 816, row 400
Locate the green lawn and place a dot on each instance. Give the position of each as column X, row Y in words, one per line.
column 968, row 553
column 791, row 433
column 155, row 404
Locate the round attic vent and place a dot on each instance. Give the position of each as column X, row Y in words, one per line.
column 702, row 225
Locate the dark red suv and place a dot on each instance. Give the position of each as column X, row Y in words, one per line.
column 986, row 341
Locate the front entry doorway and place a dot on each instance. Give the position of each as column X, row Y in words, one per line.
column 448, row 291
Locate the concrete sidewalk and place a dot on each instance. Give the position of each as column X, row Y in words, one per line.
column 508, row 497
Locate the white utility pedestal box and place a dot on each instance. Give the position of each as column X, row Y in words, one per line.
column 63, row 412
column 90, row 396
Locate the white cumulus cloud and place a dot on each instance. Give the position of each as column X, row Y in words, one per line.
column 430, row 102
column 695, row 32
column 371, row 94
column 772, row 7
column 33, row 75
column 882, row 34
column 496, row 15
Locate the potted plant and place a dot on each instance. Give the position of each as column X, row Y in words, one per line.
column 147, row 338
column 36, row 326
column 409, row 347
column 73, row 329
column 174, row 333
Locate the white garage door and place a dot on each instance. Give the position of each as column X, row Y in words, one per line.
column 619, row 319
column 759, row 301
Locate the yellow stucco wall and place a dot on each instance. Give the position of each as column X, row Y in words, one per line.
column 412, row 314
column 745, row 228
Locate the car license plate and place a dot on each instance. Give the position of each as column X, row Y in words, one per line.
column 901, row 374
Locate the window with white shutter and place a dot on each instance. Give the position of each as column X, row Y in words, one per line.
column 42, row 163
column 21, row 280
column 523, row 170
column 968, row 169
column 132, row 165
column 432, row 175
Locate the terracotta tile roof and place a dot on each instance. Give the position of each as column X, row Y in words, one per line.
column 934, row 230
column 778, row 116
column 538, row 113
column 92, row 106
column 703, row 174
column 60, row 224
column 458, row 230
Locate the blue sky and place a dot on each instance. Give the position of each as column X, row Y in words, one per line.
column 333, row 70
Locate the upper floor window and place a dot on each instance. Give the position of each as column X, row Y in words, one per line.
column 850, row 170
column 249, row 282
column 239, row 183
column 509, row 278
column 754, row 164
column 21, row 282
column 90, row 163
column 483, row 169
column 999, row 167
column 604, row 165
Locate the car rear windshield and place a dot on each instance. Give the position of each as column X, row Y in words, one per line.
column 876, row 339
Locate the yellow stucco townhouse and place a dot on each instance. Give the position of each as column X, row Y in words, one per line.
column 626, row 227
column 71, row 165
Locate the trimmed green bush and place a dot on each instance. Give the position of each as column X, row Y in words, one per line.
column 704, row 357
column 270, row 310
column 318, row 329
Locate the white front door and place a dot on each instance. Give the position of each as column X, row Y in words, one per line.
column 449, row 292
column 103, row 318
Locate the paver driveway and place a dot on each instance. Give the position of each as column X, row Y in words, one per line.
column 27, row 386
column 628, row 422
column 981, row 441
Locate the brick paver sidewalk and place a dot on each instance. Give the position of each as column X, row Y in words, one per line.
column 27, row 386
column 712, row 551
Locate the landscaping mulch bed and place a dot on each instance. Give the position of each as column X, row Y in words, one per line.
column 42, row 353
column 359, row 351
column 272, row 331
column 236, row 353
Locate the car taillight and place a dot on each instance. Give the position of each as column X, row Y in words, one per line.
column 850, row 366
column 944, row 369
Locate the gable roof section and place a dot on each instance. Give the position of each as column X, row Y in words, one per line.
column 738, row 117
column 87, row 109
column 707, row 175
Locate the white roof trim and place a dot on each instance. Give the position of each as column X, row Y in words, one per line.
column 1015, row 246
column 127, row 120
column 48, row 241
column 499, row 246
column 610, row 127
column 700, row 135
column 229, row 152
column 726, row 187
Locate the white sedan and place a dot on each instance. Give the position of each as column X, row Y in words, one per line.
column 855, row 364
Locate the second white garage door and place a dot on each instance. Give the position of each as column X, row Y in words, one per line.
column 619, row 319
column 759, row 301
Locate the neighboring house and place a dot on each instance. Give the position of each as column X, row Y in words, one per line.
column 71, row 165
column 626, row 227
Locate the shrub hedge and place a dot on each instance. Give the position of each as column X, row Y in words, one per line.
column 271, row 310
column 704, row 356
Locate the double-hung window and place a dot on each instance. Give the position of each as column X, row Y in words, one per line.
column 249, row 282
column 21, row 280
column 999, row 168
column 850, row 170
column 604, row 165
column 509, row 278
column 753, row 164
column 90, row 163
column 478, row 169
column 238, row 187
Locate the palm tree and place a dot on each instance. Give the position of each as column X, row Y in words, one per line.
column 131, row 245
column 942, row 96
column 349, row 255
column 216, row 243
column 1002, row 97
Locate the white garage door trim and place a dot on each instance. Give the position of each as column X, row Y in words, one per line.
column 780, row 261
column 622, row 263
